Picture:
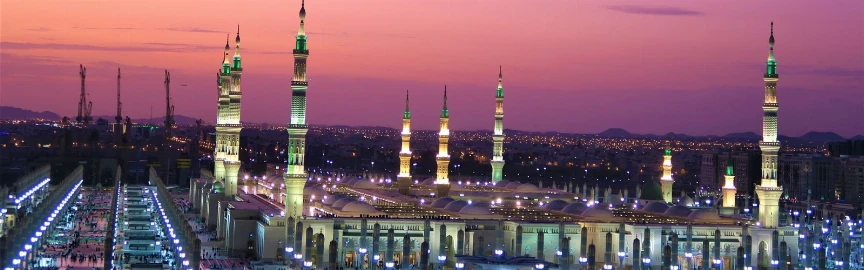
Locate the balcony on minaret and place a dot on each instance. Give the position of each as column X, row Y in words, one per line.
column 299, row 83
column 764, row 143
column 300, row 52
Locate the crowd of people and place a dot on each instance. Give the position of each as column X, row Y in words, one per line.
column 78, row 238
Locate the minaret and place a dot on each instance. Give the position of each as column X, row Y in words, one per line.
column 498, row 135
column 404, row 177
column 729, row 189
column 295, row 174
column 223, row 121
column 666, row 181
column 768, row 191
column 442, row 181
column 233, row 127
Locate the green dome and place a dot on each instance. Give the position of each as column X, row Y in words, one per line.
column 651, row 191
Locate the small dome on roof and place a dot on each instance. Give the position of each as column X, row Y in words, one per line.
column 686, row 201
column 598, row 211
column 575, row 208
column 655, row 207
column 703, row 214
column 678, row 211
column 455, row 206
column 513, row 185
column 314, row 190
column 651, row 191
column 527, row 188
column 330, row 200
column 359, row 208
column 502, row 183
column 365, row 184
column 555, row 205
column 441, row 202
column 342, row 202
column 475, row 209
column 428, row 182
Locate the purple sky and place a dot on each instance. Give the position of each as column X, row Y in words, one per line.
column 691, row 67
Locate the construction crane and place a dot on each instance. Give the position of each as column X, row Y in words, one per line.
column 169, row 109
column 119, row 117
column 84, row 107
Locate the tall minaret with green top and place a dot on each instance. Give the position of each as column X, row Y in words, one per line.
column 498, row 133
column 295, row 173
column 666, row 180
column 442, row 180
column 729, row 187
column 232, row 127
column 404, row 177
column 768, row 191
column 223, row 117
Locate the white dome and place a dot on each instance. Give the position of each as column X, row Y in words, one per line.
column 678, row 211
column 575, row 208
column 428, row 182
column 365, row 184
column 599, row 211
column 342, row 202
column 555, row 205
column 655, row 207
column 527, row 188
column 350, row 181
column 441, row 202
column 513, row 185
column 314, row 190
column 702, row 214
column 359, row 208
column 330, row 200
column 687, row 201
column 455, row 206
column 502, row 183
column 474, row 209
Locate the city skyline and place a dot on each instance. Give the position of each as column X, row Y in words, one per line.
column 360, row 70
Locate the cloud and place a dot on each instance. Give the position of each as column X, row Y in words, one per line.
column 276, row 52
column 345, row 34
column 192, row 30
column 107, row 28
column 854, row 73
column 40, row 29
column 158, row 47
column 655, row 10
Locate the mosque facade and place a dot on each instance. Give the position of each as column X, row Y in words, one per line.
column 316, row 219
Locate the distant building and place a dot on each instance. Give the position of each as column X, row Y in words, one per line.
column 745, row 165
column 847, row 148
column 852, row 173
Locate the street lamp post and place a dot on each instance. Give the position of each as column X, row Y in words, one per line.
column 361, row 257
column 621, row 256
column 442, row 259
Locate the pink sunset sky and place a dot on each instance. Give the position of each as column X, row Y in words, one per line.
column 657, row 66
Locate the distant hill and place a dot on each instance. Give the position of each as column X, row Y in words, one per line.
column 178, row 119
column 816, row 136
column 743, row 136
column 615, row 132
column 7, row 112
